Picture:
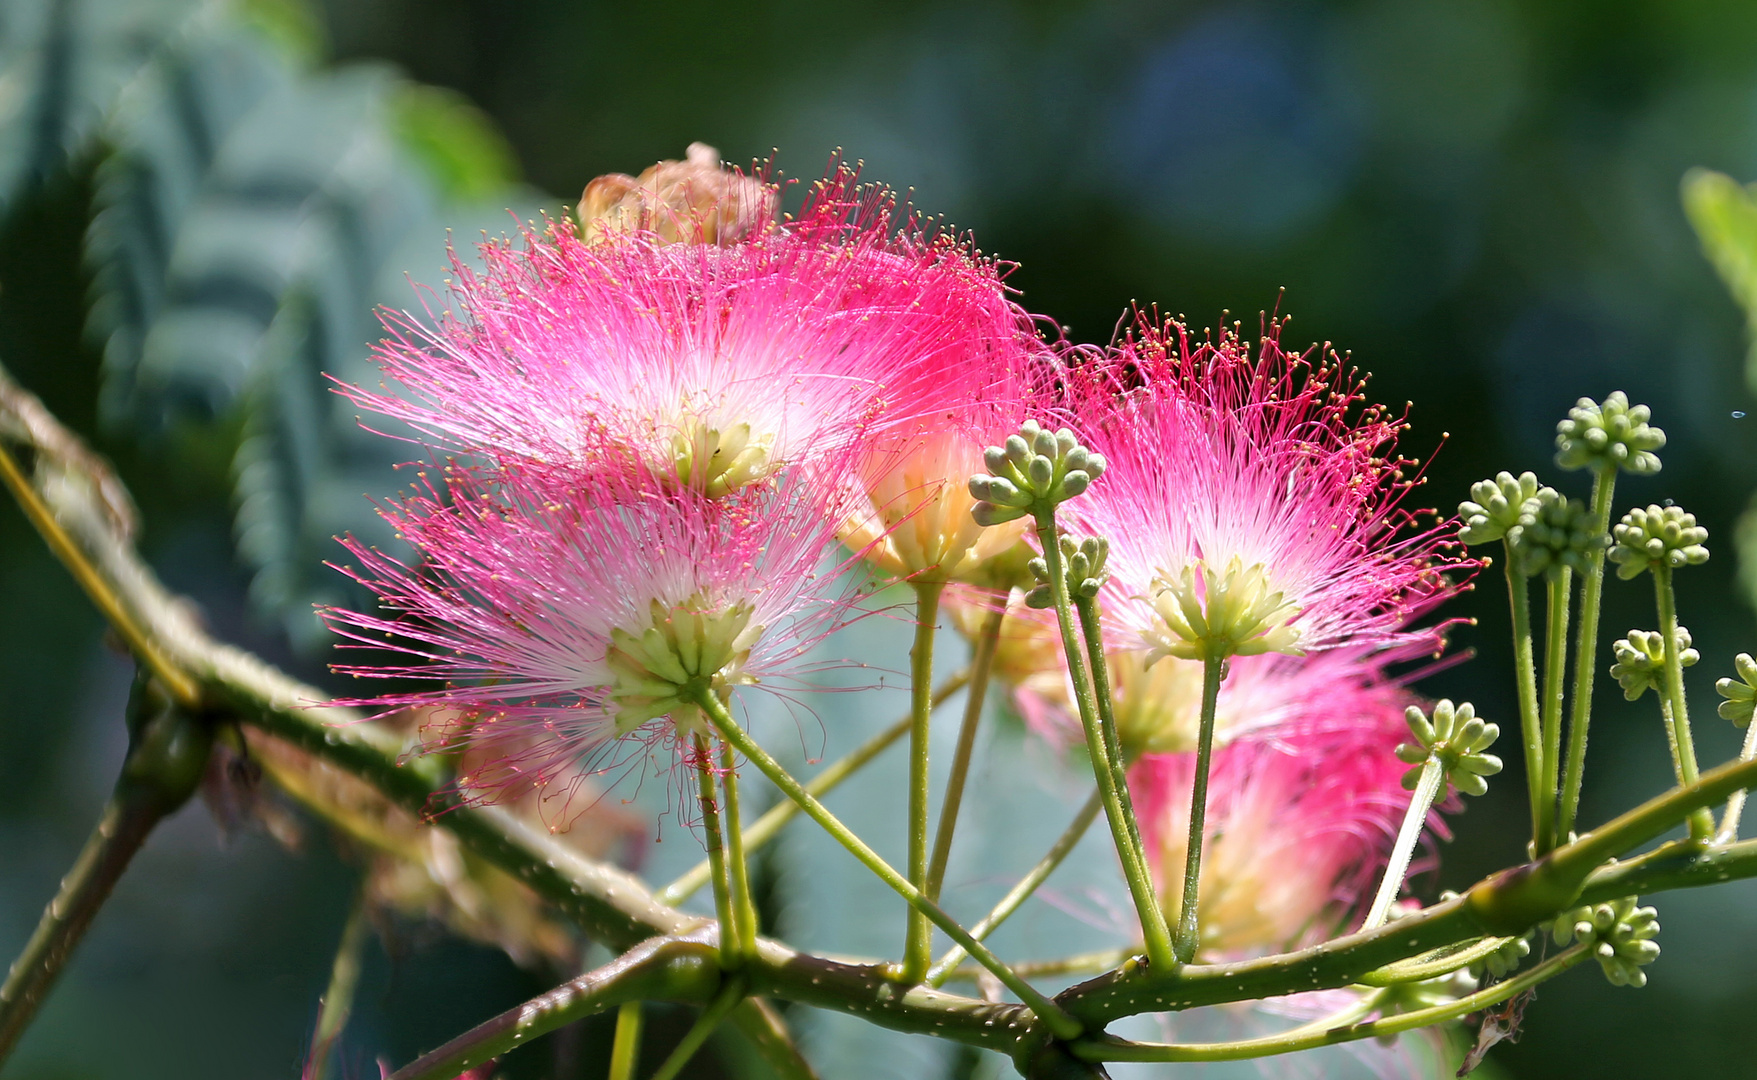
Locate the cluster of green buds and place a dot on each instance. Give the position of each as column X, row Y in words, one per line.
column 1034, row 471
column 1615, row 435
column 1619, row 935
column 1495, row 506
column 1741, row 695
column 1457, row 738
column 1084, row 566
column 1554, row 534
column 1640, row 662
column 1503, row 961
column 1659, row 536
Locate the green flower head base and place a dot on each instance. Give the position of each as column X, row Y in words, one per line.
column 1740, row 694
column 1232, row 613
column 685, row 649
column 1659, row 536
column 1619, row 935
column 1494, row 506
column 1611, row 436
column 1084, row 565
column 1641, row 660
column 1457, row 737
column 1553, row 534
column 715, row 461
column 1035, row 471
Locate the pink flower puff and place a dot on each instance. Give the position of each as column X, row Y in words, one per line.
column 1300, row 819
column 1252, row 502
column 716, row 364
column 559, row 618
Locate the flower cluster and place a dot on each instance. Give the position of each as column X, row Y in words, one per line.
column 656, row 429
column 1252, row 500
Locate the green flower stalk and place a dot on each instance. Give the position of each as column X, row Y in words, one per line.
column 1493, row 512
column 1604, row 439
column 1451, row 748
column 1661, row 540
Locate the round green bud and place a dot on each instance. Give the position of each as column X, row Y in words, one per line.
column 1494, row 506
column 1615, row 435
column 1641, row 660
column 1553, row 534
column 1618, row 934
column 1032, row 472
column 1458, row 738
column 1655, row 537
column 1741, row 696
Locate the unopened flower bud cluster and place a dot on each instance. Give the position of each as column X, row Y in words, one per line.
column 1036, row 469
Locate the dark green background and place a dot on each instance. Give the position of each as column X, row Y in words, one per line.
column 1477, row 200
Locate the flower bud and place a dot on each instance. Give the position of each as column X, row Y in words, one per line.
column 1741, row 696
column 1641, row 660
column 1619, row 935
column 696, row 200
column 1655, row 537
column 1494, row 506
column 1607, row 437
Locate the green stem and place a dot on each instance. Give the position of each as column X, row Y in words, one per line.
column 1053, row 1015
column 1017, row 895
column 344, row 977
column 981, row 665
column 1434, row 964
column 1155, row 936
column 1427, row 789
column 1525, row 684
column 730, row 952
column 731, row 993
column 1555, row 677
column 1735, row 806
column 1604, row 483
column 664, row 969
column 625, row 1050
column 97, row 588
column 121, row 831
column 1092, row 629
column 737, row 869
column 1312, row 1036
column 1701, row 822
column 767, row 827
column 918, row 936
column 1082, row 964
column 1189, row 933
column 167, row 756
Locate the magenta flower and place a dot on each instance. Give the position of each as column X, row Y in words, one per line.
column 558, row 618
column 1252, row 502
column 715, row 364
column 1299, row 820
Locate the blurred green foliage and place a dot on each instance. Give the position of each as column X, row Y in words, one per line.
column 204, row 201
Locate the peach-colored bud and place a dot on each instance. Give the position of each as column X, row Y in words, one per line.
column 696, row 200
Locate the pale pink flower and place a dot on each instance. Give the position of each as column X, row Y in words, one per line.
column 560, row 617
column 1299, row 820
column 716, row 364
column 1252, row 501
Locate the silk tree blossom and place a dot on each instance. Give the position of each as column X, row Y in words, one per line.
column 1252, row 501
column 1298, row 823
column 916, row 517
column 714, row 363
column 558, row 618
